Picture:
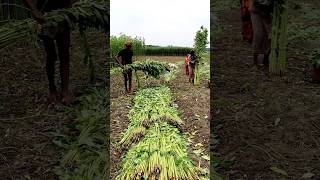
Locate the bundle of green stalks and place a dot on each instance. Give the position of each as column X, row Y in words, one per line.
column 149, row 67
column 150, row 106
column 86, row 142
column 116, row 70
column 84, row 13
column 279, row 41
column 160, row 155
column 14, row 31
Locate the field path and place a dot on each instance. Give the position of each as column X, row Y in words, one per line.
column 266, row 121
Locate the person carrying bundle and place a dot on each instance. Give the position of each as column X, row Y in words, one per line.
column 262, row 25
column 125, row 57
column 187, row 64
column 60, row 34
column 247, row 32
column 192, row 65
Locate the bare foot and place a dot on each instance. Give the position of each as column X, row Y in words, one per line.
column 52, row 97
column 131, row 90
column 66, row 98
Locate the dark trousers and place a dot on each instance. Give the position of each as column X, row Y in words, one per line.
column 187, row 69
column 247, row 31
column 191, row 73
column 63, row 44
column 128, row 77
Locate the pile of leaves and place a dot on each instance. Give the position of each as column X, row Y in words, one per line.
column 85, row 142
column 149, row 67
column 12, row 32
column 84, row 12
column 157, row 148
column 162, row 154
column 150, row 106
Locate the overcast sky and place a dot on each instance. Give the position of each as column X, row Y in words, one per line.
column 160, row 22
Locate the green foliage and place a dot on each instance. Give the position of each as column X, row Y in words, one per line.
column 84, row 14
column 140, row 49
column 149, row 67
column 174, row 70
column 86, row 145
column 200, row 43
column 88, row 56
column 205, row 71
column 14, row 31
column 116, row 70
column 158, row 151
column 89, row 13
column 167, row 51
column 117, row 44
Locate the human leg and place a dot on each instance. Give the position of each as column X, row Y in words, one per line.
column 51, row 57
column 258, row 37
column 125, row 78
column 130, row 80
column 63, row 43
column 267, row 22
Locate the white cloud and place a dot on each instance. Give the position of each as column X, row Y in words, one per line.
column 160, row 22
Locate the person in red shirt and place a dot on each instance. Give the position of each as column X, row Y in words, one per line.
column 193, row 60
column 247, row 31
column 187, row 64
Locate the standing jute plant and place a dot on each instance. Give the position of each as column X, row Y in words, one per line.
column 278, row 55
column 201, row 41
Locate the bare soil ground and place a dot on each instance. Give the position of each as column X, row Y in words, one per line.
column 26, row 147
column 266, row 121
column 193, row 104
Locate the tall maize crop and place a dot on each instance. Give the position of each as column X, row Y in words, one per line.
column 86, row 145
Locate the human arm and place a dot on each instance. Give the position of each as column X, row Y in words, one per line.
column 118, row 58
column 34, row 10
